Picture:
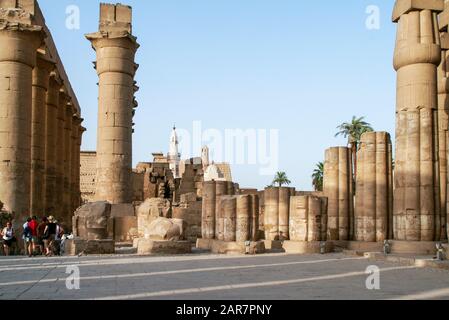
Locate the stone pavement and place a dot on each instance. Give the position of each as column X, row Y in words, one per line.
column 204, row 276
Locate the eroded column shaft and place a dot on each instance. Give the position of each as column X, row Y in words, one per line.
column 374, row 189
column 338, row 189
column 51, row 132
column 41, row 78
column 306, row 218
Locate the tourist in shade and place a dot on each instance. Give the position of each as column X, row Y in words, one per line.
column 8, row 238
column 49, row 236
column 33, row 225
column 27, row 238
column 58, row 238
column 40, row 234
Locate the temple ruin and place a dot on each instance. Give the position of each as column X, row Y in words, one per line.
column 168, row 204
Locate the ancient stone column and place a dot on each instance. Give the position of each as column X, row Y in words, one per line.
column 338, row 188
column 373, row 212
column 230, row 217
column 115, row 47
column 41, row 78
column 73, row 155
column 67, row 208
column 19, row 40
column 78, row 164
column 417, row 55
column 284, row 211
column 208, row 210
column 243, row 204
column 443, row 117
column 60, row 207
column 75, row 158
column 306, row 218
column 271, row 214
column 254, row 217
column 51, row 133
column 221, row 190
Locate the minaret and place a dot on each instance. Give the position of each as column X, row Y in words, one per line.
column 173, row 154
column 205, row 157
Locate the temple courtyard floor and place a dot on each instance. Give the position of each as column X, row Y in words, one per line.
column 204, row 276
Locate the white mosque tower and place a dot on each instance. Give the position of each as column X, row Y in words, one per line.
column 174, row 157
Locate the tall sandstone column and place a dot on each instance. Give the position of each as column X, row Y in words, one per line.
column 443, row 118
column 374, row 197
column 115, row 47
column 75, row 155
column 19, row 41
column 51, row 132
column 255, row 217
column 67, row 209
column 60, row 207
column 338, row 188
column 41, row 79
column 416, row 58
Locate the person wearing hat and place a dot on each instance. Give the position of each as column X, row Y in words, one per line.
column 49, row 236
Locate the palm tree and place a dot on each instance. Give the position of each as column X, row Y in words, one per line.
column 317, row 176
column 354, row 131
column 281, row 179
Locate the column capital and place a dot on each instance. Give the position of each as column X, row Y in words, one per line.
column 41, row 72
column 402, row 7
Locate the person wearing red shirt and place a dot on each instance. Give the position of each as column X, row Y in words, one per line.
column 33, row 224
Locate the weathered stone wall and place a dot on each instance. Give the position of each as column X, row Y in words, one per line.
column 417, row 55
column 374, row 188
column 189, row 210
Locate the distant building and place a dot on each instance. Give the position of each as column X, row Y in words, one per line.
column 174, row 157
column 88, row 163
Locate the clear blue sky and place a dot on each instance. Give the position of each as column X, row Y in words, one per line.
column 302, row 67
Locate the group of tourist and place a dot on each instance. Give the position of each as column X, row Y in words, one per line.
column 39, row 238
